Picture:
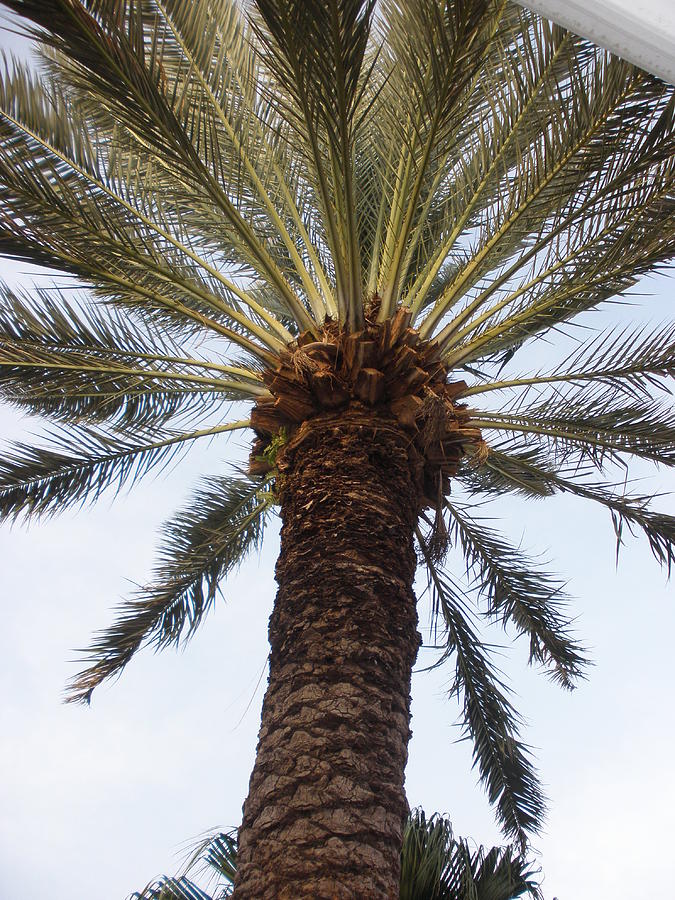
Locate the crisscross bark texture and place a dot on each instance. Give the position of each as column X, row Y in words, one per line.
column 326, row 807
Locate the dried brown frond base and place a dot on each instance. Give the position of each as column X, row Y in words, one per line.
column 385, row 371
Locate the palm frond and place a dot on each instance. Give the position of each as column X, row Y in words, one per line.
column 315, row 53
column 72, row 365
column 432, row 51
column 106, row 48
column 168, row 888
column 635, row 362
column 207, row 54
column 66, row 209
column 79, row 463
column 506, row 108
column 533, row 473
column 616, row 228
column 204, row 542
column 518, row 592
column 214, row 855
column 437, row 866
column 489, row 718
column 573, row 177
column 599, row 430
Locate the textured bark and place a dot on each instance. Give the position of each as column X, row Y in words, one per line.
column 326, row 804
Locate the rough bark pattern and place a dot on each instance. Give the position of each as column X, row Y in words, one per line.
column 326, row 804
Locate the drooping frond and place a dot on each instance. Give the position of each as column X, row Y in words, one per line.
column 517, row 592
column 203, row 543
column 533, row 474
column 489, row 718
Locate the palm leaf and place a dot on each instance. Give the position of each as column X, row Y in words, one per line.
column 489, row 718
column 582, row 428
column 167, row 888
column 81, row 462
column 629, row 361
column 54, row 180
column 433, row 51
column 203, row 543
column 73, row 365
column 316, row 53
column 437, row 866
column 518, row 592
column 590, row 141
column 533, row 473
column 104, row 44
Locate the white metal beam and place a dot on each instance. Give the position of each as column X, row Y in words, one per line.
column 640, row 31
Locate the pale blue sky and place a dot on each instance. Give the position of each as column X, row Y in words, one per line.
column 95, row 802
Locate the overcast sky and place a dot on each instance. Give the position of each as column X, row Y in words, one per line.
column 95, row 802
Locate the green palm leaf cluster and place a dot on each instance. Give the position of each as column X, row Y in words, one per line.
column 434, row 866
column 234, row 193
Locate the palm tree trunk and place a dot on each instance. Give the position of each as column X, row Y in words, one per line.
column 326, row 806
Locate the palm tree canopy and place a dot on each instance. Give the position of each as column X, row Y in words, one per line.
column 272, row 211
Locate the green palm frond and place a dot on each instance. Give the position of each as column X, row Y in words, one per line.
column 601, row 255
column 75, row 366
column 432, row 52
column 65, row 209
column 79, row 463
column 518, row 592
column 533, row 473
column 104, row 46
column 215, row 856
column 202, row 544
column 572, row 179
column 629, row 361
column 316, row 53
column 168, row 888
column 208, row 50
column 489, row 718
column 506, row 106
column 437, row 866
column 581, row 428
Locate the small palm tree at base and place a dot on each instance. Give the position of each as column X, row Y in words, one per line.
column 434, row 866
column 437, row 866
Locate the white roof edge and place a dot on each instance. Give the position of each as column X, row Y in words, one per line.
column 640, row 31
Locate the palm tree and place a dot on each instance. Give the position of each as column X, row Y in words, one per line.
column 434, row 866
column 349, row 220
column 215, row 856
column 437, row 866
